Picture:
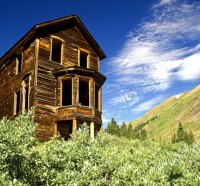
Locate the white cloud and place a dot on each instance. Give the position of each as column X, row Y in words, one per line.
column 163, row 2
column 190, row 68
column 126, row 98
column 147, row 105
column 161, row 50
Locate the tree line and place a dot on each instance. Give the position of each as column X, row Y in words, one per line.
column 125, row 130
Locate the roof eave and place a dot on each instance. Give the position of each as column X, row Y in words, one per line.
column 33, row 31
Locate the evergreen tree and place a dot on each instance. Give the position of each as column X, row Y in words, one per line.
column 136, row 134
column 190, row 138
column 112, row 127
column 130, row 132
column 122, row 129
column 143, row 134
column 174, row 138
column 180, row 133
column 186, row 137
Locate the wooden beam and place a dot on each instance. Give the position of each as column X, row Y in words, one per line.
column 92, row 130
column 74, row 126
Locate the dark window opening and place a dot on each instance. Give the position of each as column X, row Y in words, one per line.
column 26, row 97
column 97, row 96
column 19, row 63
column 56, row 51
column 84, row 92
column 17, row 101
column 66, row 92
column 65, row 129
column 83, row 59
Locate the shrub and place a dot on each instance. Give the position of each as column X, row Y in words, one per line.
column 110, row 161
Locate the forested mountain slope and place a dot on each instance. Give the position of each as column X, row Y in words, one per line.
column 162, row 121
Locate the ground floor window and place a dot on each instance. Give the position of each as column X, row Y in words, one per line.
column 17, row 102
column 67, row 92
column 84, row 92
column 65, row 129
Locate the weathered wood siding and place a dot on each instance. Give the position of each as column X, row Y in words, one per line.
column 49, row 87
column 11, row 82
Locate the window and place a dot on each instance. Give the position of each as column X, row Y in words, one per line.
column 26, row 106
column 26, row 94
column 83, row 92
column 66, row 92
column 97, row 96
column 19, row 61
column 56, row 50
column 17, row 102
column 83, row 59
column 65, row 129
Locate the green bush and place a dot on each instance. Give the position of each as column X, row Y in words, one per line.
column 110, row 161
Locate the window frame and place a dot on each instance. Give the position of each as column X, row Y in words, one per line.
column 17, row 71
column 25, row 84
column 61, row 92
column 51, row 48
column 89, row 92
column 79, row 57
column 98, row 96
column 15, row 101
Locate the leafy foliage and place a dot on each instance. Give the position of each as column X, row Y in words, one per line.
column 108, row 161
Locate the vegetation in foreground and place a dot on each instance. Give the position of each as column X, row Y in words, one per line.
column 112, row 161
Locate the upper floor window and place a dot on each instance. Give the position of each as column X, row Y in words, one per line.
column 19, row 63
column 83, row 59
column 56, row 50
column 26, row 90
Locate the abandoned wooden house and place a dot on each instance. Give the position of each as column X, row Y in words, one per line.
column 55, row 67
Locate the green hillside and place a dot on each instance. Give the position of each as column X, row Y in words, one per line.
column 162, row 121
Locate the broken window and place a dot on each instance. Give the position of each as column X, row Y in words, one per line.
column 84, row 92
column 26, row 106
column 97, row 96
column 64, row 129
column 67, row 92
column 83, row 59
column 17, row 102
column 56, row 50
column 25, row 94
column 19, row 61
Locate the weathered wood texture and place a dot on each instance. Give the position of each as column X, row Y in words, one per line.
column 11, row 82
column 45, row 88
column 48, row 96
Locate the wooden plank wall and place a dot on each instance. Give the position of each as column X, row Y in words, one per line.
column 48, row 88
column 11, row 82
column 44, row 91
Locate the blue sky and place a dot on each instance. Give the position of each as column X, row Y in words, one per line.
column 152, row 46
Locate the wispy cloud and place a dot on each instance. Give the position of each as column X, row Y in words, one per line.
column 125, row 98
column 163, row 49
column 147, row 105
column 163, row 2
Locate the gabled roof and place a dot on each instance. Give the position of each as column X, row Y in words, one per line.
column 52, row 26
